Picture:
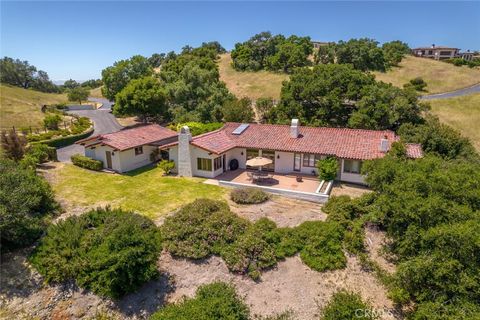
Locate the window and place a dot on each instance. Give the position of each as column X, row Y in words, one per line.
column 138, row 150
column 204, row 164
column 310, row 160
column 352, row 166
column 217, row 163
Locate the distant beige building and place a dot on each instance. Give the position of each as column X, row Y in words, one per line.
column 441, row 53
column 318, row 44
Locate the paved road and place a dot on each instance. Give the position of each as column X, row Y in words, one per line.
column 106, row 104
column 103, row 122
column 452, row 94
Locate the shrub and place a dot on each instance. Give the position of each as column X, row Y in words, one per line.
column 346, row 305
column 26, row 204
column 201, row 228
column 327, row 168
column 51, row 121
column 166, row 166
column 86, row 162
column 248, row 196
column 253, row 251
column 12, row 145
column 42, row 152
column 213, row 301
column 417, row 83
column 323, row 245
column 111, row 252
column 197, row 128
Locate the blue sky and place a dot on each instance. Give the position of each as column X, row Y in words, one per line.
column 78, row 39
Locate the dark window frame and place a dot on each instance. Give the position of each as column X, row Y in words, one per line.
column 349, row 169
column 306, row 158
column 138, row 150
column 204, row 164
column 217, row 164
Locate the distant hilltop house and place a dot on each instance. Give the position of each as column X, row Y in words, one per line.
column 318, row 44
column 442, row 53
column 292, row 149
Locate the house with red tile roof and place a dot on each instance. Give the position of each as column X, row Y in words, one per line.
column 128, row 149
column 291, row 148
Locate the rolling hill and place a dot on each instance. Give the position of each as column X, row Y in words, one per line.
column 440, row 76
column 22, row 107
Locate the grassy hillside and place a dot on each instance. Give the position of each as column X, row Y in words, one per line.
column 440, row 76
column 462, row 113
column 250, row 84
column 22, row 108
column 96, row 93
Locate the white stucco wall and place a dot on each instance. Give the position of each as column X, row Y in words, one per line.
column 200, row 153
column 351, row 177
column 285, row 163
column 237, row 154
column 122, row 161
column 129, row 161
column 173, row 156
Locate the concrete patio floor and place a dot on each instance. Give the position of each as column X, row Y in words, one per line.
column 309, row 183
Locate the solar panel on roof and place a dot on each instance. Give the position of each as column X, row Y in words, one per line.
column 240, row 128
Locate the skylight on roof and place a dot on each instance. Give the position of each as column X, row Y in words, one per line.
column 240, row 128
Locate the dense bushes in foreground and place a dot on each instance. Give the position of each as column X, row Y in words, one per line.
column 110, row 252
column 26, row 204
column 207, row 227
column 346, row 305
column 248, row 196
column 213, row 301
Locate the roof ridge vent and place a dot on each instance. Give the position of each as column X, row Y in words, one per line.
column 239, row 130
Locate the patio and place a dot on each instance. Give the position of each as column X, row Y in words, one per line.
column 284, row 184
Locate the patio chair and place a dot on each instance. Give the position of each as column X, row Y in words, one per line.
column 250, row 175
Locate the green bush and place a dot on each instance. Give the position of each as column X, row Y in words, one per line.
column 166, row 166
column 51, row 121
column 327, row 168
column 417, row 83
column 110, row 252
column 86, row 162
column 201, row 228
column 346, row 305
column 26, row 204
column 214, row 301
column 41, row 152
column 323, row 246
column 197, row 128
column 248, row 196
column 253, row 251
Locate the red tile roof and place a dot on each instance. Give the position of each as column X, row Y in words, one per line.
column 414, row 150
column 340, row 142
column 130, row 138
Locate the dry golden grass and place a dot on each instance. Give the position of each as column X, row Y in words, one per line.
column 440, row 76
column 22, row 108
column 462, row 113
column 250, row 84
column 96, row 93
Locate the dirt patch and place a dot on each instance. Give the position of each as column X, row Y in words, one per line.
column 375, row 241
column 290, row 286
column 284, row 212
column 348, row 189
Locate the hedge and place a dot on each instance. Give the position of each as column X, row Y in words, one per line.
column 61, row 142
column 86, row 162
column 248, row 196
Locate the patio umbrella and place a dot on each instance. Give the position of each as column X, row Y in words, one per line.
column 258, row 162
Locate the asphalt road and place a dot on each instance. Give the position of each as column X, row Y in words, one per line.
column 103, row 122
column 452, row 94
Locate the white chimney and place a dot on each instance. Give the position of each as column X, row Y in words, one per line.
column 294, row 128
column 384, row 145
column 184, row 159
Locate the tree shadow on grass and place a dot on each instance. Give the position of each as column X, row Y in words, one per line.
column 146, row 300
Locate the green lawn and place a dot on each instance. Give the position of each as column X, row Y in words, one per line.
column 439, row 76
column 144, row 190
column 22, row 108
column 462, row 113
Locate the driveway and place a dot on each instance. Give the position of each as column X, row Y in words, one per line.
column 452, row 94
column 103, row 122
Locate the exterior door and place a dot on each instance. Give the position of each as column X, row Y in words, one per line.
column 297, row 162
column 108, row 155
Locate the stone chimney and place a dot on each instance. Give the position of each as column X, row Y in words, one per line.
column 433, row 45
column 295, row 128
column 184, row 159
column 384, row 144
